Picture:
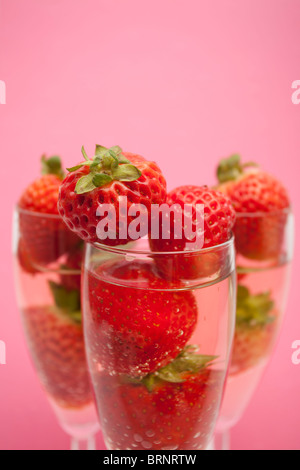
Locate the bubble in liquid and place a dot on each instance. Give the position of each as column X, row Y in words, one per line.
column 146, row 444
column 137, row 438
column 150, row 433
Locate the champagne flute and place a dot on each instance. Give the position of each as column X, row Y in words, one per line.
column 158, row 345
column 263, row 285
column 48, row 283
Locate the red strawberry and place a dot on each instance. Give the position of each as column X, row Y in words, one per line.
column 256, row 328
column 251, row 345
column 24, row 259
column 43, row 233
column 160, row 412
column 70, row 270
column 219, row 218
column 103, row 180
column 261, row 203
column 136, row 331
column 56, row 345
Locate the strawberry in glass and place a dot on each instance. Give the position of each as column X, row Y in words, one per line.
column 48, row 258
column 218, row 218
column 109, row 177
column 158, row 341
column 44, row 239
column 256, row 192
column 264, row 242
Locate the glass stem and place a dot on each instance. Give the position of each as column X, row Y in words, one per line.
column 225, row 440
column 83, row 444
column 222, row 440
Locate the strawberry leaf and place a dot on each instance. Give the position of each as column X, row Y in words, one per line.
column 84, row 154
column 76, row 167
column 116, row 150
column 126, row 172
column 123, row 159
column 100, row 150
column 229, row 168
column 67, row 300
column 101, row 179
column 109, row 161
column 52, row 166
column 115, row 161
column 107, row 165
column 187, row 362
column 85, row 184
column 96, row 162
column 255, row 309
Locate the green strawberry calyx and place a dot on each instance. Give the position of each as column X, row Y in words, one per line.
column 231, row 168
column 68, row 301
column 52, row 166
column 107, row 165
column 187, row 362
column 253, row 310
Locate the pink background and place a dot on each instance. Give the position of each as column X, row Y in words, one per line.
column 181, row 82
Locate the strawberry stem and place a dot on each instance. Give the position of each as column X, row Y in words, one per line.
column 67, row 300
column 229, row 169
column 52, row 166
column 106, row 166
column 84, row 154
column 187, row 362
column 253, row 309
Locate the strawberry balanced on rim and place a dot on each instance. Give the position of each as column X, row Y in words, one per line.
column 263, row 215
column 264, row 243
column 158, row 315
column 100, row 182
column 118, row 197
column 48, row 258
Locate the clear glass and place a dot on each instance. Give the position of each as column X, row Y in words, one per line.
column 263, row 278
column 158, row 330
column 47, row 265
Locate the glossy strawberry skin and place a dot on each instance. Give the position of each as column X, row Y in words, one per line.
column 172, row 416
column 261, row 203
column 256, row 191
column 24, row 259
column 251, row 345
column 79, row 210
column 219, row 218
column 41, row 196
column 132, row 330
column 43, row 233
column 257, row 323
column 57, row 349
column 71, row 268
column 46, row 238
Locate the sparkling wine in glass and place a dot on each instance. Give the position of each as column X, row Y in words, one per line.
column 263, row 278
column 48, row 287
column 158, row 344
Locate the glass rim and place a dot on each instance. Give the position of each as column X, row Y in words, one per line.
column 285, row 210
column 124, row 250
column 37, row 214
column 129, row 251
